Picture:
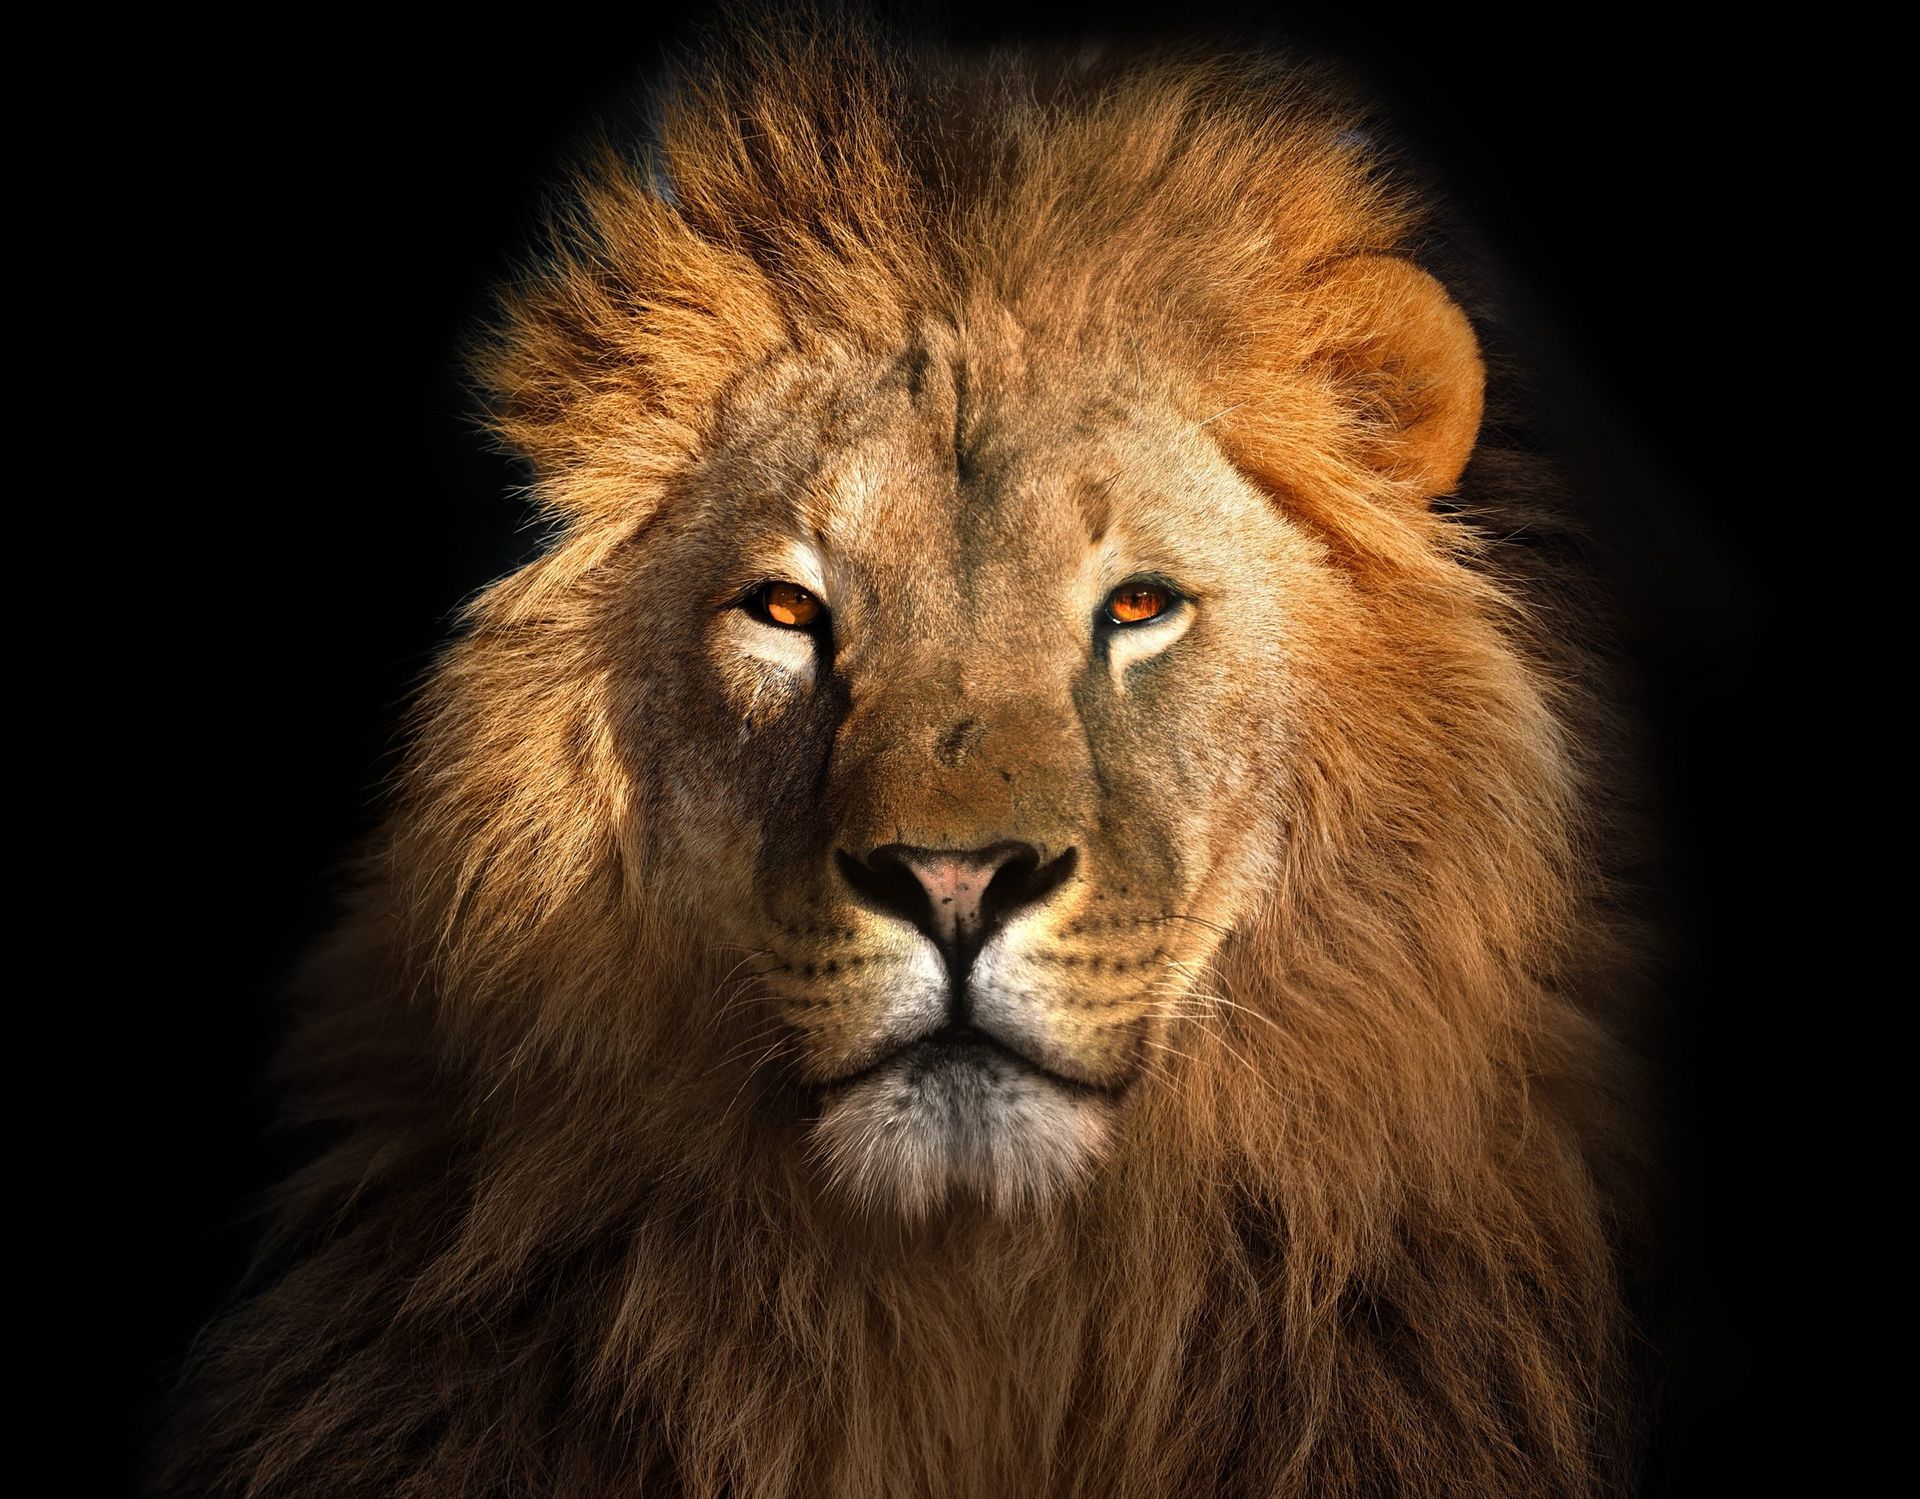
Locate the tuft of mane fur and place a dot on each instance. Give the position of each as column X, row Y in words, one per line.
column 1367, row 1238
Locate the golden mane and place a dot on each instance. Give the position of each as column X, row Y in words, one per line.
column 1374, row 1245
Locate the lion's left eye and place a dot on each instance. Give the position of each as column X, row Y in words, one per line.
column 787, row 605
column 1137, row 601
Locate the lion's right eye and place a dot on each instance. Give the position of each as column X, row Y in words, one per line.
column 1137, row 602
column 787, row 605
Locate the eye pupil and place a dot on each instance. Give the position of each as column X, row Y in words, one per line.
column 790, row 605
column 1135, row 603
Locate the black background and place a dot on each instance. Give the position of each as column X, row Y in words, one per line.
column 321, row 214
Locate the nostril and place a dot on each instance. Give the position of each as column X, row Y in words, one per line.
column 886, row 882
column 1023, row 881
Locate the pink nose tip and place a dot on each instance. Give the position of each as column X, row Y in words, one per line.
column 955, row 888
column 957, row 897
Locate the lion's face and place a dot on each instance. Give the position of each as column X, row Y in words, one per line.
column 988, row 772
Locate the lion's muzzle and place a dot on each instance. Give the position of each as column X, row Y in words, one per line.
column 961, row 1093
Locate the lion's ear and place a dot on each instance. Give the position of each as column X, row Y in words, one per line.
column 1408, row 361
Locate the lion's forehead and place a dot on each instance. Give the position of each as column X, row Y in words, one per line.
column 935, row 473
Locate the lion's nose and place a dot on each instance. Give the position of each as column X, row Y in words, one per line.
column 959, row 898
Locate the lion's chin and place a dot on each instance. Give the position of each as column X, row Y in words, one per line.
column 939, row 1123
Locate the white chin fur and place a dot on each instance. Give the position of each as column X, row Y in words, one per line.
column 909, row 1137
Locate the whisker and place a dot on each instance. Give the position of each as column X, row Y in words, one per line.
column 1167, row 917
column 779, row 1043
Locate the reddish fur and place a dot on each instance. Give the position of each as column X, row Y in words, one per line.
column 1367, row 1243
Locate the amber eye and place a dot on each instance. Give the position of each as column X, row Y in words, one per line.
column 788, row 605
column 1135, row 603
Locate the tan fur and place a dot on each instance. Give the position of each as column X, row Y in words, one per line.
column 1348, row 1223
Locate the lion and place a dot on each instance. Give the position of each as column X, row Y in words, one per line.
column 1024, row 899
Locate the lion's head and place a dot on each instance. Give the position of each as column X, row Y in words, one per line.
column 1003, row 764
column 961, row 628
